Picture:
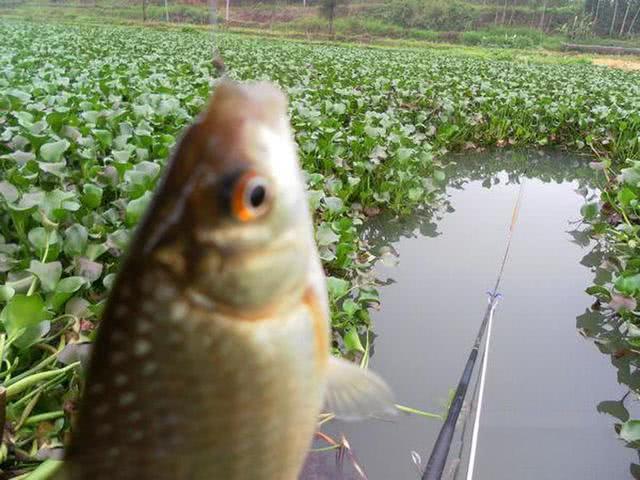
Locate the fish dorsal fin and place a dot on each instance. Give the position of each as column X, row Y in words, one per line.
column 354, row 393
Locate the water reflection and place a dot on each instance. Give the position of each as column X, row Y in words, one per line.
column 608, row 333
column 544, row 381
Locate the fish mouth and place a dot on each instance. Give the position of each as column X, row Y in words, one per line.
column 236, row 242
column 232, row 313
column 234, row 239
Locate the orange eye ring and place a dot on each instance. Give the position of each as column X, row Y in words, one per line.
column 250, row 197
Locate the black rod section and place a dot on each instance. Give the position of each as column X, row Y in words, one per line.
column 440, row 452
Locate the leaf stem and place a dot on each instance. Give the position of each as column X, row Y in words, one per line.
column 415, row 411
column 34, row 282
column 44, row 417
column 21, row 385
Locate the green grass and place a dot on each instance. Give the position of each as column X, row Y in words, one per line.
column 90, row 114
column 519, row 38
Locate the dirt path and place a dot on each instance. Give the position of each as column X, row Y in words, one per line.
column 621, row 63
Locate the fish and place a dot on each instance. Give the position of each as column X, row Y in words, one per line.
column 213, row 358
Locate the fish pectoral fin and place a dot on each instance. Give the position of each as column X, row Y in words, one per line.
column 354, row 393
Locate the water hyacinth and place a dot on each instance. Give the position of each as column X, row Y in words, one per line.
column 89, row 114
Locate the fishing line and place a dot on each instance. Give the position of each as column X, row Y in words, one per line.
column 440, row 452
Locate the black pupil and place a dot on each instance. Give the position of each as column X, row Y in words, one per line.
column 257, row 196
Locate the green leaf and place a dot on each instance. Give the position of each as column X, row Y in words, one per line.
column 625, row 196
column 337, row 287
column 590, row 210
column 136, row 208
column 32, row 334
column 8, row 191
column 371, row 132
column 38, row 238
column 121, row 156
column 105, row 138
column 58, row 169
column 75, row 241
column 64, row 290
column 48, row 273
column 368, row 296
column 352, row 340
column 52, row 152
column 70, row 284
column 56, row 120
column 91, row 195
column 614, row 408
column 20, row 157
column 108, row 280
column 21, row 312
column 6, row 293
column 630, row 431
column 439, row 176
column 628, row 284
column 334, row 204
column 350, row 307
column 325, row 235
column 5, row 103
column 414, row 194
column 95, row 250
column 599, row 291
column 404, row 153
column 631, row 176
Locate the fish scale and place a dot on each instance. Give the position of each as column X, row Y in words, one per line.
column 228, row 371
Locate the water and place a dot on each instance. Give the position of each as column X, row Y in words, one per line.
column 545, row 381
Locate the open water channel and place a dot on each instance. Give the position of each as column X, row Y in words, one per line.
column 548, row 388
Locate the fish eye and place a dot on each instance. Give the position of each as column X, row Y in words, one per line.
column 257, row 194
column 250, row 197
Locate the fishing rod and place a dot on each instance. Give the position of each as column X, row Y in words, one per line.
column 440, row 453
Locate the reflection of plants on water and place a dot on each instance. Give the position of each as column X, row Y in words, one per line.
column 334, row 460
column 613, row 322
column 609, row 327
column 609, row 334
column 610, row 321
column 545, row 165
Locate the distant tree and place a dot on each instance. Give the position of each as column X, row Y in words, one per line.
column 144, row 10
column 504, row 12
column 613, row 19
column 328, row 11
column 595, row 17
column 633, row 21
column 544, row 10
column 626, row 15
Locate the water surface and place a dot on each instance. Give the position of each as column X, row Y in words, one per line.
column 545, row 381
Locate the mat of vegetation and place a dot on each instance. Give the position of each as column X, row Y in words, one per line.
column 88, row 116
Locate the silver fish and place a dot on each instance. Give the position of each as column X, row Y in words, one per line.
column 212, row 359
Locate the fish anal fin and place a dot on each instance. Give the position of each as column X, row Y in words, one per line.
column 354, row 393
